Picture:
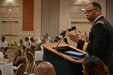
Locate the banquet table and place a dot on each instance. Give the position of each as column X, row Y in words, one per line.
column 38, row 55
column 6, row 68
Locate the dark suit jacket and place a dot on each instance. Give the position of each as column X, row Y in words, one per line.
column 100, row 42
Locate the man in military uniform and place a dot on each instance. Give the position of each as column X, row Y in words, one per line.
column 100, row 42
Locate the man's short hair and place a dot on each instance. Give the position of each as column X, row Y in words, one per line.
column 96, row 5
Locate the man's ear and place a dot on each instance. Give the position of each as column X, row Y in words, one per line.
column 98, row 11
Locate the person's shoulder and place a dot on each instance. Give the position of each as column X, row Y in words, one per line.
column 99, row 22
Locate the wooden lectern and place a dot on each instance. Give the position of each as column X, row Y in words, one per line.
column 64, row 63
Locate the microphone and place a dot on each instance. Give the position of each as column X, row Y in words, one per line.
column 63, row 34
column 70, row 29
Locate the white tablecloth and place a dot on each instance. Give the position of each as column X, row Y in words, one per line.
column 7, row 69
column 38, row 55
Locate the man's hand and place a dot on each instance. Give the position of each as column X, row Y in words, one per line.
column 73, row 36
column 83, row 36
column 77, row 35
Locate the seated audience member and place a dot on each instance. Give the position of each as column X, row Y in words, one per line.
column 5, row 55
column 26, row 43
column 3, row 44
column 47, row 38
column 21, row 43
column 45, row 68
column 38, row 47
column 33, row 42
column 18, row 59
column 93, row 65
column 21, row 47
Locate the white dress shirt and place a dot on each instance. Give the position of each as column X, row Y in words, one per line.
column 3, row 44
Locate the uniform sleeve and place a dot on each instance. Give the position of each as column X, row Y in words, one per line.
column 82, row 45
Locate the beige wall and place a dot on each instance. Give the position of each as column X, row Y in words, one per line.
column 110, row 11
column 11, row 21
column 50, row 17
column 37, row 18
column 64, row 18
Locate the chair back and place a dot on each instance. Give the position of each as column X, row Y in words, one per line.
column 24, row 60
column 30, row 67
column 30, row 62
column 20, row 70
column 31, row 50
column 35, row 65
column 29, row 56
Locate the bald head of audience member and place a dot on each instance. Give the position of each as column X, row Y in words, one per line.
column 45, row 68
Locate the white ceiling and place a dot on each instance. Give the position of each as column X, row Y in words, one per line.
column 10, row 3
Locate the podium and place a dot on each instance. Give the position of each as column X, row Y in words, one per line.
column 64, row 63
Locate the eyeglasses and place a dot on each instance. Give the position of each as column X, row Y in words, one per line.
column 87, row 11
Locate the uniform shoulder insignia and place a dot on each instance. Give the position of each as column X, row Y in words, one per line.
column 100, row 22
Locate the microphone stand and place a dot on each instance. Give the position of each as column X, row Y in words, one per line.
column 60, row 41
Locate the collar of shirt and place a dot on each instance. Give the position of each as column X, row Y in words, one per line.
column 97, row 19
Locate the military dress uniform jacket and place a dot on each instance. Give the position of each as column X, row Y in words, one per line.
column 100, row 42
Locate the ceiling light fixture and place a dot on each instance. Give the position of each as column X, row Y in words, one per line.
column 10, row 0
column 9, row 9
column 83, row 9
